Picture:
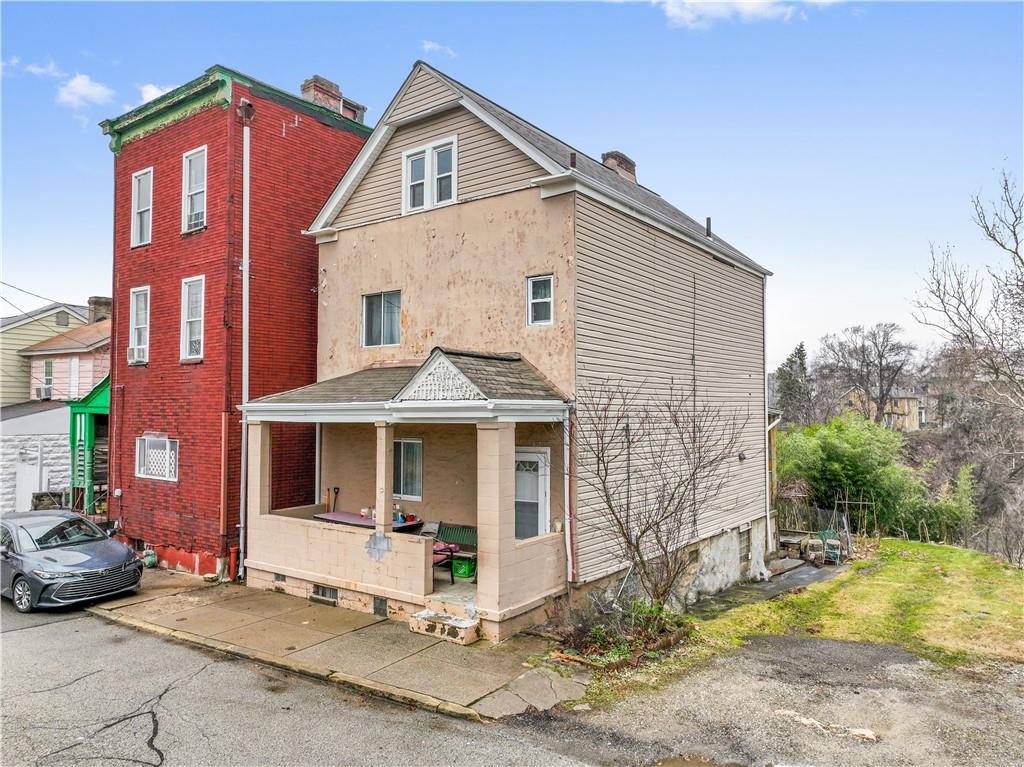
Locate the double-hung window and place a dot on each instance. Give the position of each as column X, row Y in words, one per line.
column 193, row 190
column 138, row 331
column 192, row 292
column 156, row 457
column 142, row 207
column 430, row 175
column 47, row 379
column 408, row 482
column 540, row 300
column 382, row 318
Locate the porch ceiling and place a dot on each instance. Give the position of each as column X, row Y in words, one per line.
column 449, row 387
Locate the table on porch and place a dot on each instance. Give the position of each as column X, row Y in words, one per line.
column 357, row 520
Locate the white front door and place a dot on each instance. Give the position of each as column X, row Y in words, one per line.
column 533, row 491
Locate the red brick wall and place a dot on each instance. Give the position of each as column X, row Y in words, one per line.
column 294, row 168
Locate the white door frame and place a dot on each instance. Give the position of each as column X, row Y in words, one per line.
column 543, row 456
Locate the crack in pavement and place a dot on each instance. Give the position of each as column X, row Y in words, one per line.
column 146, row 709
column 66, row 684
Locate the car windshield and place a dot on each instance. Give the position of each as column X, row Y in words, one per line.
column 51, row 532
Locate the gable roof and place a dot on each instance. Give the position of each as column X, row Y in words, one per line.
column 550, row 153
column 81, row 339
column 82, row 312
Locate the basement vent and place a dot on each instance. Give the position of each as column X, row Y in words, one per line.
column 279, row 578
column 325, row 592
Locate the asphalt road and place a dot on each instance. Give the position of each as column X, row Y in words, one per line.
column 78, row 690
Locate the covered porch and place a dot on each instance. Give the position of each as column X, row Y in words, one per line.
column 466, row 442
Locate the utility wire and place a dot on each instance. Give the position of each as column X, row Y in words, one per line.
column 59, row 332
column 35, row 295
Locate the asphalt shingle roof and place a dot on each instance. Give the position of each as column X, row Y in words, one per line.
column 5, row 321
column 498, row 376
column 75, row 340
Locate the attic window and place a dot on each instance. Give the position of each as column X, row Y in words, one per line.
column 430, row 175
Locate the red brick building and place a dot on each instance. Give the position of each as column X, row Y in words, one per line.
column 180, row 241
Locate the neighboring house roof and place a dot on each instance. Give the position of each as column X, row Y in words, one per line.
column 82, row 312
column 550, row 153
column 370, row 385
column 22, row 409
column 81, row 339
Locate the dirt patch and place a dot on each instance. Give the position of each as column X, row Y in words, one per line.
column 802, row 700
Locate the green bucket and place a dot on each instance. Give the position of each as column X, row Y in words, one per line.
column 463, row 567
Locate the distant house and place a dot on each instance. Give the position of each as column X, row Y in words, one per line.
column 69, row 365
column 69, row 355
column 24, row 330
column 477, row 275
column 905, row 409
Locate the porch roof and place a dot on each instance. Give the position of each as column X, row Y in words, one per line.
column 450, row 386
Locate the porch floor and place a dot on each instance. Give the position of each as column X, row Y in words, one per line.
column 357, row 644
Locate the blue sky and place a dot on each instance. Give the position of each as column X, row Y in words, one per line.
column 831, row 142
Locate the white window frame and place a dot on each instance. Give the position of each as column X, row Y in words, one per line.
column 429, row 152
column 168, row 442
column 185, row 319
column 398, row 478
column 132, row 327
column 362, row 320
column 48, row 378
column 136, row 239
column 530, row 300
column 201, row 150
column 543, row 454
column 74, row 376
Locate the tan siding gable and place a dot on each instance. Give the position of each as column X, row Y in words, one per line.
column 424, row 92
column 487, row 164
column 637, row 321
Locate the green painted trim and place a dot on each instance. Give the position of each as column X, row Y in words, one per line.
column 97, row 401
column 213, row 87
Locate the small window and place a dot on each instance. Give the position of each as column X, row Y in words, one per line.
column 532, row 492
column 193, row 190
column 142, row 207
column 325, row 592
column 430, row 175
column 63, row 319
column 138, row 337
column 408, row 483
column 540, row 300
column 47, row 372
column 382, row 318
column 156, row 458
column 192, row 290
column 279, row 578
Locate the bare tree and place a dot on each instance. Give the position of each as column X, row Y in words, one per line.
column 873, row 359
column 982, row 313
column 655, row 464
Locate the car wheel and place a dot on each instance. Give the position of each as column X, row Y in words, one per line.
column 21, row 595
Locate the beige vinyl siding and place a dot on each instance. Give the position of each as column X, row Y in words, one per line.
column 637, row 321
column 17, row 383
column 487, row 164
column 424, row 92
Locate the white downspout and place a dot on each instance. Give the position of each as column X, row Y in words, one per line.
column 764, row 416
column 246, row 111
column 316, row 464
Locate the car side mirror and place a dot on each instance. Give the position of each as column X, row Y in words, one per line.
column 111, row 532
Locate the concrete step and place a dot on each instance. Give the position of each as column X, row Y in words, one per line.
column 450, row 628
column 460, row 607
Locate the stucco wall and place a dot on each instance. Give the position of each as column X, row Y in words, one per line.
column 462, row 271
column 449, row 467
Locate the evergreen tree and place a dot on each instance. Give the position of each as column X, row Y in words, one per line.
column 793, row 386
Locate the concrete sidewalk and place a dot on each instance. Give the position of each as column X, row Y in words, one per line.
column 360, row 650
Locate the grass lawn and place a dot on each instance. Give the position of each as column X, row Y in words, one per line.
column 949, row 605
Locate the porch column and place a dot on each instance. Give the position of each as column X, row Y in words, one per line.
column 258, row 488
column 385, row 474
column 495, row 507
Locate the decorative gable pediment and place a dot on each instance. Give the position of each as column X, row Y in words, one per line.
column 440, row 380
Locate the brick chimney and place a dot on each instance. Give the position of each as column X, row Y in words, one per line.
column 322, row 91
column 621, row 164
column 99, row 308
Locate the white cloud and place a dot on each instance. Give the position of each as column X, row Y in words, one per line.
column 49, row 69
column 150, row 91
column 81, row 91
column 697, row 14
column 430, row 47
